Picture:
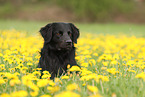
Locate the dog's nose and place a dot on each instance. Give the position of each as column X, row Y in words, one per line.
column 68, row 42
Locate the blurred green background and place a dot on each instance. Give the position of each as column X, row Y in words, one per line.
column 102, row 11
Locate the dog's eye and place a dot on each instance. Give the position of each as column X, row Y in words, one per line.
column 69, row 33
column 59, row 33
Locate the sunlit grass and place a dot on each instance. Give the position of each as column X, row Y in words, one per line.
column 106, row 28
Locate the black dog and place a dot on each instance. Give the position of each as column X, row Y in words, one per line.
column 58, row 50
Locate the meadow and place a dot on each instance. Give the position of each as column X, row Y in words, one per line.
column 111, row 56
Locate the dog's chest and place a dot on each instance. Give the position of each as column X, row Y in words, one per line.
column 60, row 61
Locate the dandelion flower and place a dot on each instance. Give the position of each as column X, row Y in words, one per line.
column 92, row 88
column 53, row 89
column 65, row 77
column 67, row 94
column 73, row 86
column 45, row 95
column 75, row 68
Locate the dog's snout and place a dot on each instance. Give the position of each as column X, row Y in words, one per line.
column 68, row 42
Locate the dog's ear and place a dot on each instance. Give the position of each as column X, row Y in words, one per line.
column 75, row 31
column 46, row 32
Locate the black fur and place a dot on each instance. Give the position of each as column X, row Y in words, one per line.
column 58, row 50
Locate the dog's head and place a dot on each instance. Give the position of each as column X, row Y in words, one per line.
column 60, row 36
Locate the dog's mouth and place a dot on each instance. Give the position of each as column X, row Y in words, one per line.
column 69, row 48
column 65, row 48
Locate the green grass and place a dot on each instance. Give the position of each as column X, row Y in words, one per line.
column 109, row 28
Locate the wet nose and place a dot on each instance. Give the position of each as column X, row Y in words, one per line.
column 68, row 42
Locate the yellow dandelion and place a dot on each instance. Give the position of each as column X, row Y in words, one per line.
column 42, row 82
column 84, row 84
column 101, row 77
column 92, row 62
column 92, row 88
column 53, row 89
column 46, row 76
column 51, row 83
column 68, row 66
column 35, row 93
column 14, row 81
column 103, row 68
column 2, row 81
column 67, row 94
column 20, row 93
column 46, row 72
column 141, row 75
column 73, row 86
column 29, row 64
column 45, row 95
column 37, row 73
column 5, row 95
column 75, row 68
column 84, row 64
column 39, row 68
column 105, row 63
column 113, row 95
column 65, row 77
